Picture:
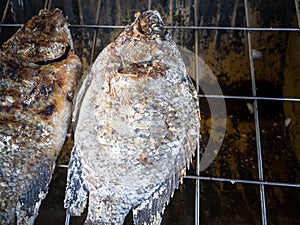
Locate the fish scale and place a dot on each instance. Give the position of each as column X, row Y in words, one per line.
column 136, row 125
column 39, row 73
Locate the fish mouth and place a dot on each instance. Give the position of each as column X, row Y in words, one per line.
column 147, row 26
column 150, row 23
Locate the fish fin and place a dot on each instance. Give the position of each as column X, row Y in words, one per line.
column 29, row 203
column 150, row 211
column 106, row 210
column 85, row 82
column 76, row 191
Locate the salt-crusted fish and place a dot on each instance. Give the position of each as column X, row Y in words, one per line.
column 39, row 72
column 136, row 126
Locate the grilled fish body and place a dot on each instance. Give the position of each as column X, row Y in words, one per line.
column 136, row 128
column 38, row 72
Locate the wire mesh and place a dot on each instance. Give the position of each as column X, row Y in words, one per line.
column 256, row 117
column 196, row 28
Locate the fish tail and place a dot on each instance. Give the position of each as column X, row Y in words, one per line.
column 76, row 191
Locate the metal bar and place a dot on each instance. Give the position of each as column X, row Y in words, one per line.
column 149, row 4
column 201, row 28
column 49, row 5
column 45, row 4
column 95, row 32
column 249, row 97
column 11, row 25
column 297, row 12
column 5, row 11
column 234, row 181
column 175, row 27
column 4, row 14
column 256, row 118
column 68, row 217
column 70, row 25
column 62, row 166
column 171, row 8
column 80, row 11
column 197, row 183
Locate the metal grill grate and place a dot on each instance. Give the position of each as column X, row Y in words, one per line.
column 195, row 27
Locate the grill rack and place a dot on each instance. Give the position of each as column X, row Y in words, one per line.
column 248, row 29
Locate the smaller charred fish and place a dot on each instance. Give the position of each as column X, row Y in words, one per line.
column 38, row 72
column 136, row 128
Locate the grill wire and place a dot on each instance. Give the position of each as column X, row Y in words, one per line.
column 254, row 98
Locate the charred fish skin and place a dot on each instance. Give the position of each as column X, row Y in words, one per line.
column 136, row 126
column 39, row 73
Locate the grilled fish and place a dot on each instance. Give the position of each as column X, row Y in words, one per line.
column 136, row 122
column 39, row 72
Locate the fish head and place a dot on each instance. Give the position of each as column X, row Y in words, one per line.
column 150, row 24
column 43, row 39
column 147, row 26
